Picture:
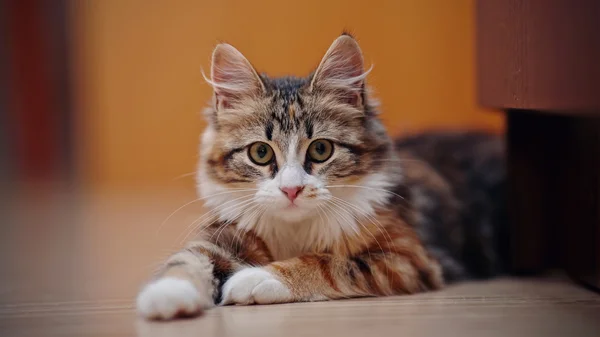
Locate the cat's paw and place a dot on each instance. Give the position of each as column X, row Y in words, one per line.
column 255, row 286
column 170, row 297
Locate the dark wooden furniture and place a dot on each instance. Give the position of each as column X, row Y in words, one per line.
column 539, row 61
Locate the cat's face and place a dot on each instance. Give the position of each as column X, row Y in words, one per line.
column 289, row 148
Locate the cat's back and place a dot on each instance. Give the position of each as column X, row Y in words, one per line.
column 455, row 183
column 469, row 159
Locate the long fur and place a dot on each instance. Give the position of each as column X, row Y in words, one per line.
column 376, row 218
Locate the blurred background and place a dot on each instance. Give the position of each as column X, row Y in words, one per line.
column 107, row 94
column 100, row 117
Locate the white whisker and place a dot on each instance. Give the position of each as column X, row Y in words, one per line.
column 230, row 221
column 376, row 222
column 319, row 210
column 255, row 209
column 373, row 219
column 359, row 223
column 366, row 187
column 215, row 217
column 220, row 208
column 365, row 228
column 189, row 174
column 200, row 199
column 344, row 218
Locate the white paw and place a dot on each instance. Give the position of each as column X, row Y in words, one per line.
column 171, row 297
column 255, row 285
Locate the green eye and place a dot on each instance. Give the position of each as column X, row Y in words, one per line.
column 260, row 153
column 320, row 150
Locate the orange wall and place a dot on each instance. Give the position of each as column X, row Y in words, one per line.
column 140, row 90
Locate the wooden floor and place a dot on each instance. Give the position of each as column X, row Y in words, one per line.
column 71, row 265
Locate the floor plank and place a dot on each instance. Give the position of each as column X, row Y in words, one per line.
column 72, row 264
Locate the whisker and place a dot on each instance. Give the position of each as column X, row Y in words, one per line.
column 366, row 187
column 368, row 231
column 319, row 210
column 230, row 221
column 360, row 224
column 200, row 199
column 255, row 209
column 375, row 221
column 235, row 234
column 225, row 216
column 206, row 220
column 326, row 208
column 185, row 175
column 234, row 209
column 342, row 216
column 219, row 208
column 214, row 217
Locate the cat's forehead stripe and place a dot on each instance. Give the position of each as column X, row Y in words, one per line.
column 287, row 101
column 309, row 128
column 269, row 130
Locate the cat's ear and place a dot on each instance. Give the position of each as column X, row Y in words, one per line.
column 342, row 71
column 232, row 77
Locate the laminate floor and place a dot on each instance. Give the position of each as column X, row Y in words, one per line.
column 71, row 264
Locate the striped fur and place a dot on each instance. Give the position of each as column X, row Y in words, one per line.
column 373, row 219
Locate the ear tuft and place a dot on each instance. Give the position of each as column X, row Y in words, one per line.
column 342, row 69
column 347, row 33
column 232, row 76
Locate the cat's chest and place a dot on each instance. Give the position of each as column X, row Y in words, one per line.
column 281, row 251
column 284, row 247
column 292, row 241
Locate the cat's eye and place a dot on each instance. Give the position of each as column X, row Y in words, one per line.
column 260, row 153
column 320, row 150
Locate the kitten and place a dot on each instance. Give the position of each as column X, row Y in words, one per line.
column 311, row 199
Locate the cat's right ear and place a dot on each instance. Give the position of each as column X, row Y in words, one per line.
column 232, row 77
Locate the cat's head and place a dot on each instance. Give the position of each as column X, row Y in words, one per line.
column 292, row 148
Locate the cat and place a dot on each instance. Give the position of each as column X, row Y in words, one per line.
column 311, row 199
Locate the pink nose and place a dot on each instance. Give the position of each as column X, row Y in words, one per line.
column 292, row 192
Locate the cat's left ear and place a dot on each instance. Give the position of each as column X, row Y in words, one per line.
column 342, row 71
column 232, row 76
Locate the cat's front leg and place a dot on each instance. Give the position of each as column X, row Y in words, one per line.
column 317, row 277
column 192, row 279
column 306, row 278
column 188, row 283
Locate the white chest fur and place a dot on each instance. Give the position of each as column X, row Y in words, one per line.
column 287, row 240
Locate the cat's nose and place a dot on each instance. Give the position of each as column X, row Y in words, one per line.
column 292, row 192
